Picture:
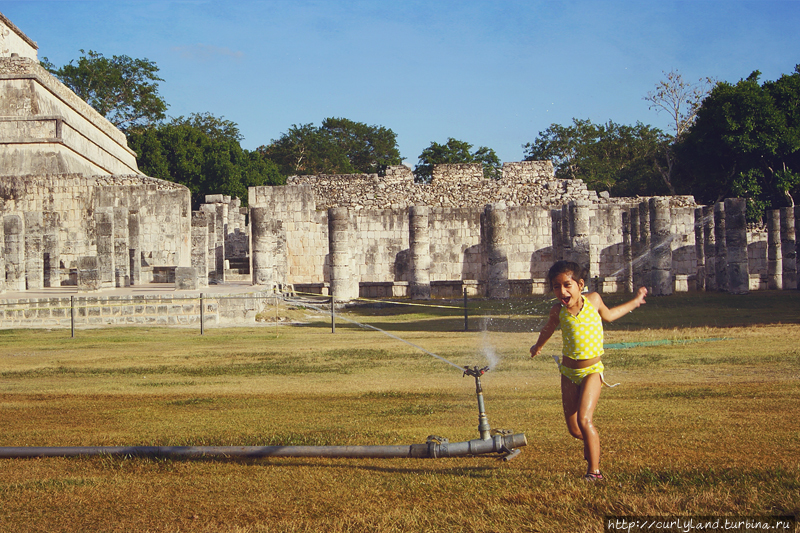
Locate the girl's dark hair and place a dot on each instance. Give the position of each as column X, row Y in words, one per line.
column 562, row 267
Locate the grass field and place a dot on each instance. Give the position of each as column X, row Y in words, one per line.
column 707, row 425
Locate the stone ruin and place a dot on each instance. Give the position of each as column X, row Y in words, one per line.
column 366, row 236
column 76, row 212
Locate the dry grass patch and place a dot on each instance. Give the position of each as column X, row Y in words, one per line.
column 699, row 426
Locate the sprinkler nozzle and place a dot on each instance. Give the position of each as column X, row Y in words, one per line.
column 475, row 371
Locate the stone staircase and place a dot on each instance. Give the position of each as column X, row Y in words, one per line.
column 237, row 269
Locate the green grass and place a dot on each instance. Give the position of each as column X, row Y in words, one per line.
column 696, row 428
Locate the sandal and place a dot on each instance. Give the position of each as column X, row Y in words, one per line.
column 593, row 476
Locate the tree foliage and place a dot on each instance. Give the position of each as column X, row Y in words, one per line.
column 456, row 152
column 746, row 142
column 122, row 89
column 338, row 146
column 608, row 157
column 203, row 153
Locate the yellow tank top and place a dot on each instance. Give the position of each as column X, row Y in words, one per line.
column 583, row 333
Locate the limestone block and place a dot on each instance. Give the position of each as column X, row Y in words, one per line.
column 88, row 274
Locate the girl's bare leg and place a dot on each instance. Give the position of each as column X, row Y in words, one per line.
column 589, row 395
column 570, row 399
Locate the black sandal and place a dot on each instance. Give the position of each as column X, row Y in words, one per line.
column 593, row 476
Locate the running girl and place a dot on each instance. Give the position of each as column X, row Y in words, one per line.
column 580, row 317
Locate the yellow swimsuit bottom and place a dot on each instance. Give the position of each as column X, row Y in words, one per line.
column 577, row 375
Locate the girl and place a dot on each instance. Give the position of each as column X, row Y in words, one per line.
column 581, row 369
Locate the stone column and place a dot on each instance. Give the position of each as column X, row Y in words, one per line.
column 736, row 245
column 644, row 243
column 710, row 247
column 496, row 251
column 211, row 219
column 104, row 229
column 700, row 249
column 264, row 232
column 51, row 249
column 636, row 251
column 579, row 234
column 627, row 253
column 135, row 248
column 419, row 287
column 344, row 282
column 234, row 222
column 222, row 233
column 185, row 279
column 556, row 234
column 566, row 233
column 660, row 247
column 774, row 256
column 34, row 261
column 122, row 254
column 721, row 261
column 200, row 247
column 788, row 248
column 14, row 251
column 88, row 273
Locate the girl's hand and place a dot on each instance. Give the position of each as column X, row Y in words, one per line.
column 535, row 350
column 640, row 295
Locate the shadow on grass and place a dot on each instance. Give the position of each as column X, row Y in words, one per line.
column 426, row 465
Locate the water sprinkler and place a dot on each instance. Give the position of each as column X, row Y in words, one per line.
column 498, row 436
column 483, row 423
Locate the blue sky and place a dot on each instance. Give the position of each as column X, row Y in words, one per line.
column 492, row 73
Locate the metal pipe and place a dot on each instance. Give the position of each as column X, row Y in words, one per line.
column 436, row 447
column 484, row 430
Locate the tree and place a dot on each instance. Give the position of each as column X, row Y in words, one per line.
column 217, row 128
column 122, row 89
column 203, row 153
column 369, row 149
column 681, row 100
column 455, row 152
column 613, row 157
column 304, row 149
column 339, row 146
column 746, row 142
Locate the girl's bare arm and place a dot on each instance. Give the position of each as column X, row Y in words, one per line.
column 547, row 331
column 610, row 315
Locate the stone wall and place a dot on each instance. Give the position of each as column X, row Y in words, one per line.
column 136, row 310
column 69, row 207
column 522, row 183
